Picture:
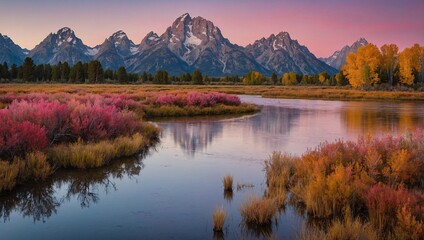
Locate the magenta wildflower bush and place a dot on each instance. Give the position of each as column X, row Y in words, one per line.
column 33, row 123
column 196, row 99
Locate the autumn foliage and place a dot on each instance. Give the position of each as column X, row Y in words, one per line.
column 380, row 178
column 370, row 66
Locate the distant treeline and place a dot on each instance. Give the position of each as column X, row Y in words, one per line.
column 368, row 67
column 93, row 72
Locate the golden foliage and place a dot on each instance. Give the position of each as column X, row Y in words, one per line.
column 361, row 67
column 289, row 78
column 410, row 63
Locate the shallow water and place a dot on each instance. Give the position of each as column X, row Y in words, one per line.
column 170, row 192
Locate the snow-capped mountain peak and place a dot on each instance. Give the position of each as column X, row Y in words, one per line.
column 119, row 35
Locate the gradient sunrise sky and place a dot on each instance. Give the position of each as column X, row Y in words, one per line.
column 323, row 26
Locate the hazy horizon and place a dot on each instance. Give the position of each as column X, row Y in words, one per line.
column 323, row 27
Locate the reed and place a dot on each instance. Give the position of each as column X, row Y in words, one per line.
column 227, row 181
column 218, row 218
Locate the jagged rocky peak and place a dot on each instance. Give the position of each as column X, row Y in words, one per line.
column 66, row 35
column 192, row 32
column 121, row 41
column 152, row 36
column 119, row 35
column 359, row 43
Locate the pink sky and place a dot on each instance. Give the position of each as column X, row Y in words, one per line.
column 323, row 26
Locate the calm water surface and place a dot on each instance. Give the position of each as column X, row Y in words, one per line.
column 170, row 192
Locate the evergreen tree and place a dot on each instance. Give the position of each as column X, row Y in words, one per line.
column 28, row 70
column 39, row 72
column 55, row 73
column 47, row 72
column 197, row 77
column 186, row 77
column 161, row 77
column 109, row 74
column 13, row 72
column 274, row 78
column 95, row 72
column 122, row 75
column 150, row 77
column 64, row 72
column 5, row 71
column 76, row 74
column 144, row 77
column 20, row 73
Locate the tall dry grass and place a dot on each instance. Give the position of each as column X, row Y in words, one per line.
column 258, row 211
column 91, row 155
column 227, row 181
column 8, row 175
column 218, row 218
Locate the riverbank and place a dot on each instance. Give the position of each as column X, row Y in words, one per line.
column 294, row 92
column 42, row 132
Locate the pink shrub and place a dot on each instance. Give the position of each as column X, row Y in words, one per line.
column 54, row 116
column 211, row 99
column 122, row 101
column 17, row 138
column 383, row 202
column 166, row 99
column 93, row 121
column 193, row 99
column 89, row 117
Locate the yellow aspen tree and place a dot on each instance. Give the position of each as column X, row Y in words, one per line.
column 405, row 67
column 389, row 54
column 361, row 67
column 410, row 64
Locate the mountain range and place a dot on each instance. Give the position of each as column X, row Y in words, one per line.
column 188, row 44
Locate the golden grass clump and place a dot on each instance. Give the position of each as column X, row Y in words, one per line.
column 8, row 175
column 228, row 183
column 82, row 155
column 218, row 217
column 259, row 211
column 34, row 166
column 347, row 228
column 279, row 170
